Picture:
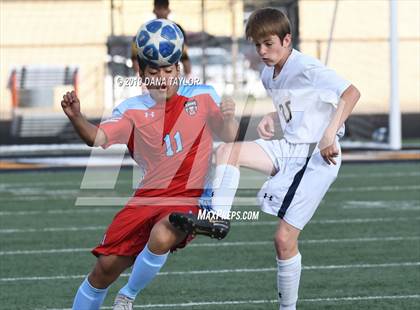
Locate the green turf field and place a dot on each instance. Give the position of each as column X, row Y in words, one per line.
column 361, row 250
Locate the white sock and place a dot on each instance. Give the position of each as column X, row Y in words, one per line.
column 225, row 184
column 288, row 276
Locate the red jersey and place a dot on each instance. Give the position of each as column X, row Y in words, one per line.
column 172, row 142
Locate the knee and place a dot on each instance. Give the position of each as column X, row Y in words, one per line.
column 163, row 238
column 285, row 244
column 102, row 275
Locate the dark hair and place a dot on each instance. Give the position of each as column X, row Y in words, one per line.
column 265, row 22
column 143, row 64
column 161, row 3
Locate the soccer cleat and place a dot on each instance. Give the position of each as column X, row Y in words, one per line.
column 212, row 226
column 122, row 302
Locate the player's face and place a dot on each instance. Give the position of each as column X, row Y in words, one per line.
column 161, row 12
column 272, row 51
column 162, row 82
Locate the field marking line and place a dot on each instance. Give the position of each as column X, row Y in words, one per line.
column 106, row 201
column 397, row 205
column 247, row 223
column 252, row 177
column 223, row 271
column 262, row 301
column 58, row 211
column 224, row 244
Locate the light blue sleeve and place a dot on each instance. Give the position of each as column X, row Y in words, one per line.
column 195, row 90
column 143, row 102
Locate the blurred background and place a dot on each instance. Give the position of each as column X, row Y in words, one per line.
column 49, row 47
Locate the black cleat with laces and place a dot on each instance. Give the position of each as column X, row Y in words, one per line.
column 212, row 226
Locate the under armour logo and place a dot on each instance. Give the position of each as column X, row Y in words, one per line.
column 269, row 197
column 147, row 114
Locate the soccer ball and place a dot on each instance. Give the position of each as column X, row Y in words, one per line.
column 160, row 42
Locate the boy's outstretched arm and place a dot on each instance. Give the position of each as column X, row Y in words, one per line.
column 90, row 134
column 346, row 105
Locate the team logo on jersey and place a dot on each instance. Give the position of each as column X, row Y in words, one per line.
column 149, row 114
column 191, row 107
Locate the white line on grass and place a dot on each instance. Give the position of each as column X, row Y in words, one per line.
column 113, row 201
column 380, row 175
column 37, row 198
column 343, row 189
column 264, row 301
column 50, row 229
column 246, row 177
column 365, row 220
column 247, row 201
column 309, row 241
column 335, row 221
column 29, row 191
column 248, row 223
column 224, row 271
column 59, row 211
column 351, row 176
column 222, row 244
column 375, row 188
column 359, row 298
column 396, row 205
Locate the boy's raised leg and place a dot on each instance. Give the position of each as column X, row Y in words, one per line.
column 229, row 157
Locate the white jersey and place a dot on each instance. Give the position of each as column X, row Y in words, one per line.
column 305, row 94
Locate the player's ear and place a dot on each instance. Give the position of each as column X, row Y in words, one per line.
column 287, row 40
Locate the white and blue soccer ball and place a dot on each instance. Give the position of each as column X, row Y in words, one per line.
column 160, row 42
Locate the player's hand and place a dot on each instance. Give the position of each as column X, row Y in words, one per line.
column 71, row 104
column 227, row 107
column 266, row 127
column 328, row 147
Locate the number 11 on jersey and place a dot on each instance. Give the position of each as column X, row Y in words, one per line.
column 178, row 143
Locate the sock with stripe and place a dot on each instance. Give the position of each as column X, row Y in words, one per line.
column 89, row 297
column 145, row 269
